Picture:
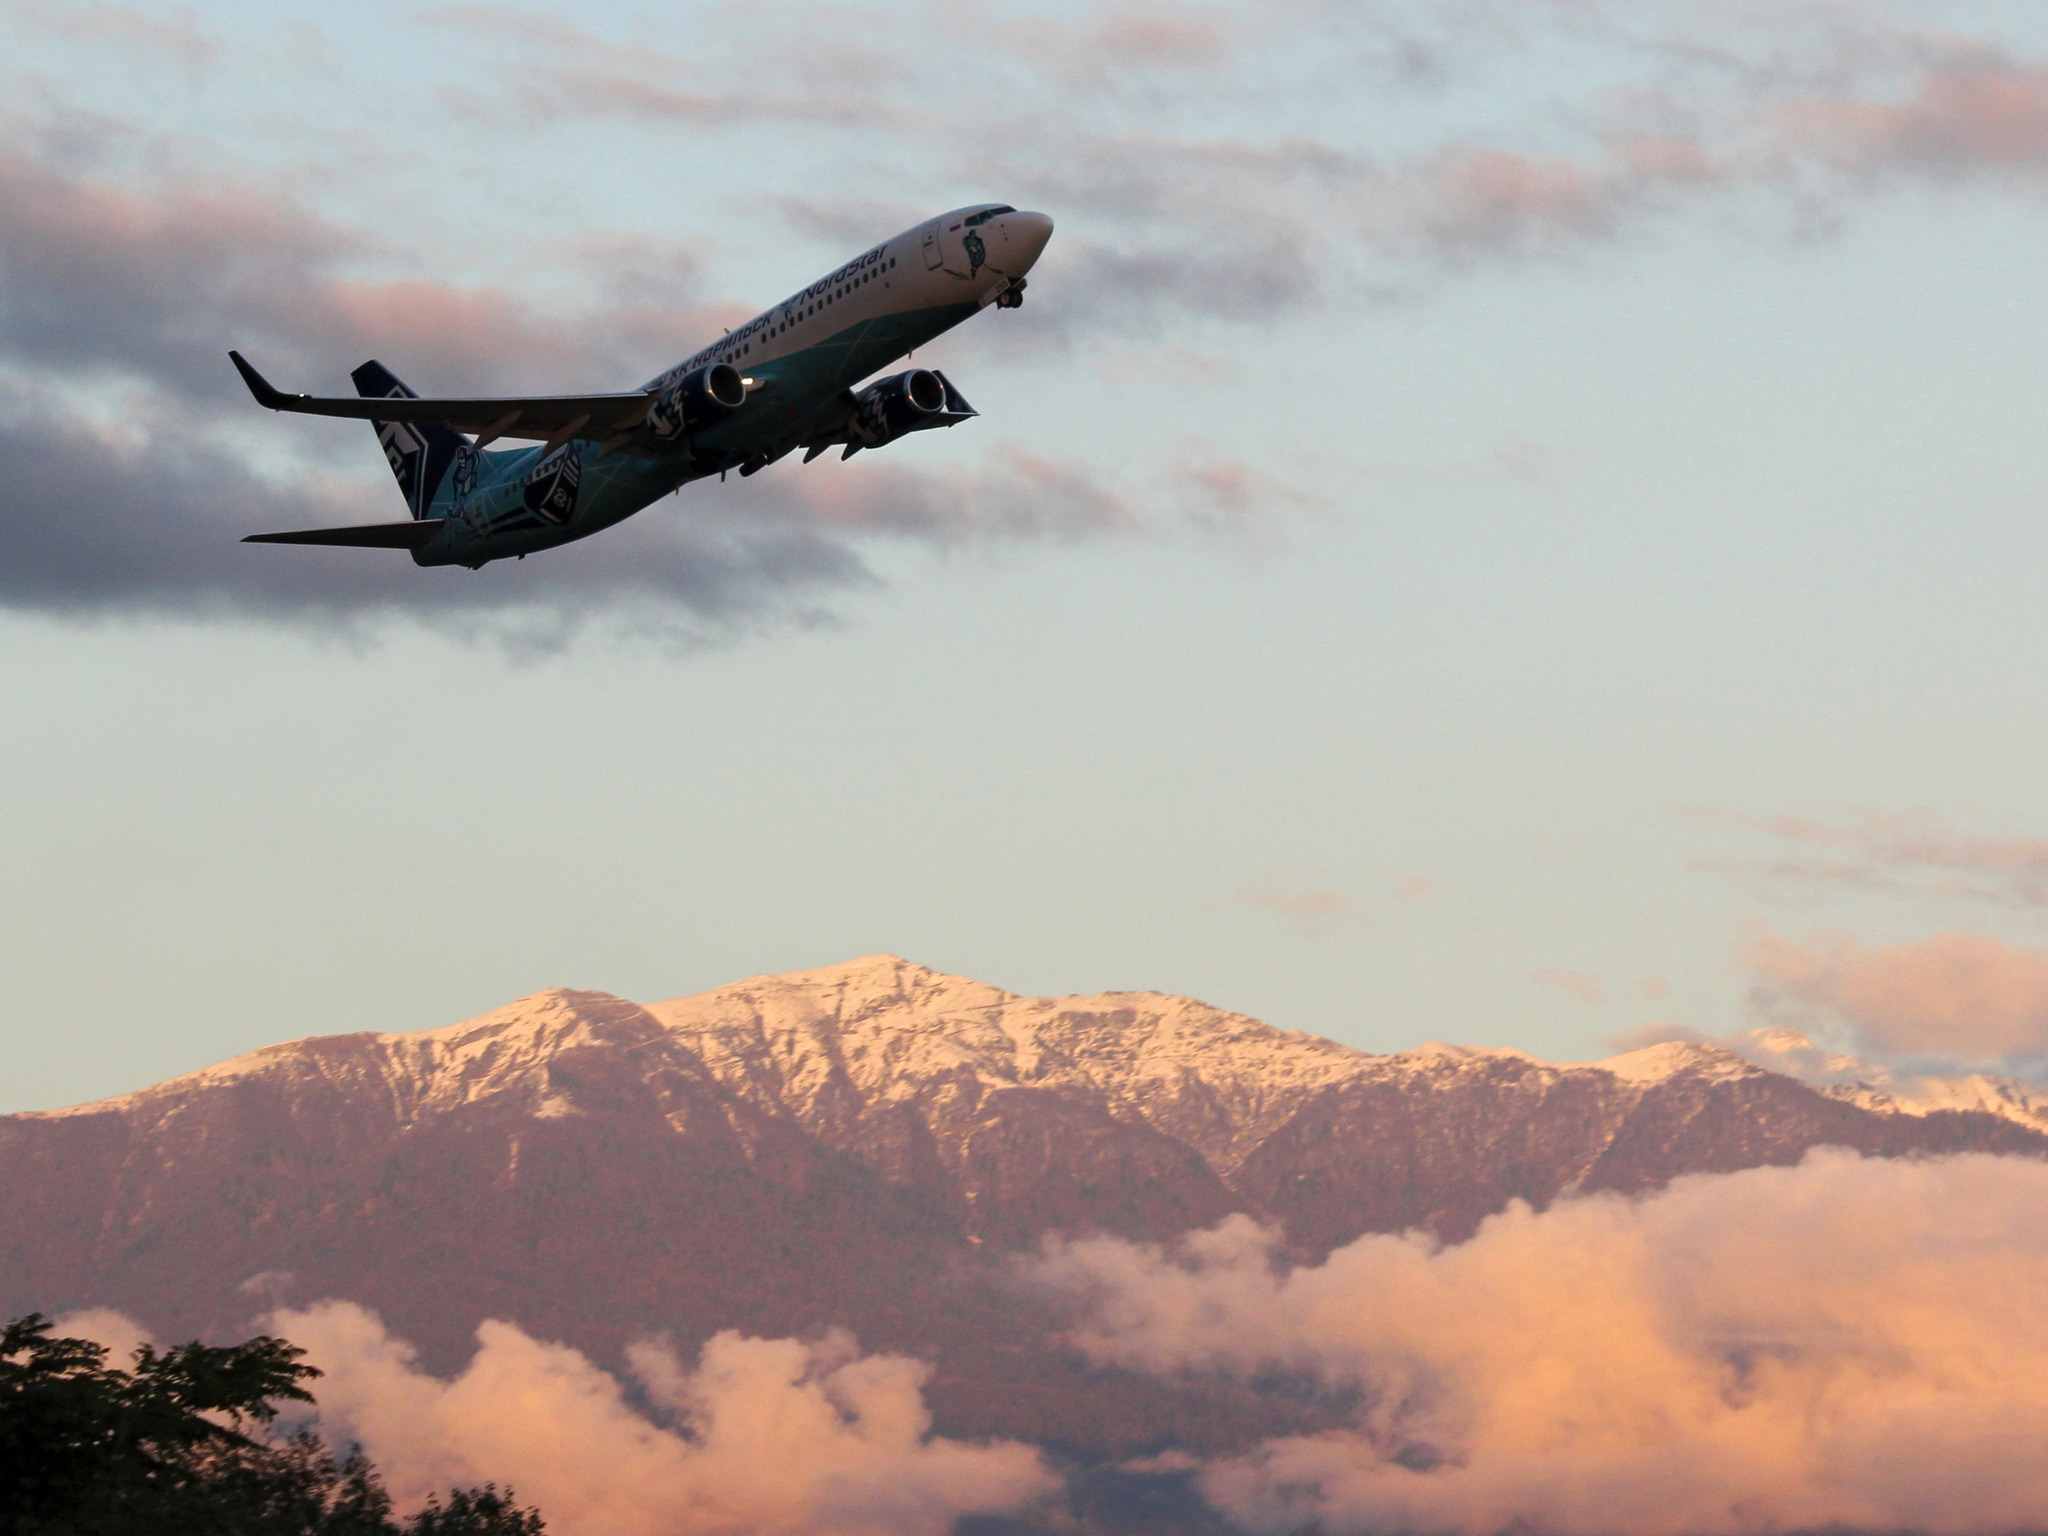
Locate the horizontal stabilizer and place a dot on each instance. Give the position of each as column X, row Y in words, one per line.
column 410, row 535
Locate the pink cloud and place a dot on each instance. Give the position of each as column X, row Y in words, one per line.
column 156, row 282
column 1804, row 101
column 1487, row 197
column 172, row 35
column 1164, row 34
column 1910, row 850
column 1229, row 493
column 770, row 1436
column 1983, row 112
column 117, row 1332
column 1848, row 1342
column 1306, row 909
column 1957, row 995
column 1579, row 984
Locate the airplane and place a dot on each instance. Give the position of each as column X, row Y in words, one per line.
column 785, row 380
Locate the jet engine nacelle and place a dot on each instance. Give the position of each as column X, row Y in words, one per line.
column 696, row 401
column 908, row 402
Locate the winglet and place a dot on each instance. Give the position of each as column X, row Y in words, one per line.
column 265, row 392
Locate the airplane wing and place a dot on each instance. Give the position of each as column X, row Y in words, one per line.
column 412, row 535
column 553, row 419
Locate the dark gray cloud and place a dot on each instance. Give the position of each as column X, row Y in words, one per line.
column 126, row 496
column 96, row 529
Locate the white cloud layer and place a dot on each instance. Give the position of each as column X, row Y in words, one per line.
column 1851, row 1342
column 773, row 1436
column 117, row 1331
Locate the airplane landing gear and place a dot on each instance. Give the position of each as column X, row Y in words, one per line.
column 1011, row 297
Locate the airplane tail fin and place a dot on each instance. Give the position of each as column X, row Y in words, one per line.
column 420, row 452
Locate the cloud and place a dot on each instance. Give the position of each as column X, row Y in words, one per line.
column 1587, row 988
column 772, row 1437
column 175, row 36
column 1109, row 116
column 1201, row 168
column 103, row 279
column 1980, row 113
column 1231, row 495
column 97, row 529
column 1126, row 36
column 1957, row 996
column 1845, row 1343
column 1017, row 494
column 1917, row 1086
column 1916, row 851
column 1850, row 1343
column 1305, row 911
column 134, row 461
column 839, row 79
column 119, row 1333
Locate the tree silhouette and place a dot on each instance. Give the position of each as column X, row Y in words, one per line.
column 175, row 1445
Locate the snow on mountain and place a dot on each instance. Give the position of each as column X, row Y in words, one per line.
column 883, row 1030
column 861, row 1145
column 1660, row 1063
column 1871, row 1085
column 819, row 1044
column 834, row 1050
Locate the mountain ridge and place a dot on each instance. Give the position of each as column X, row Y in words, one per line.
column 1291, row 1058
column 862, row 1145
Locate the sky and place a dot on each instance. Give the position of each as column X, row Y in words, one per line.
column 1512, row 523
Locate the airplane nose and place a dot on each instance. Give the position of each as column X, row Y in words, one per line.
column 1028, row 234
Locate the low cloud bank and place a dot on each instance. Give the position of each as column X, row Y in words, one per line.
column 770, row 1436
column 1848, row 1342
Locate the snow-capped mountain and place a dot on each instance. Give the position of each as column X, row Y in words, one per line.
column 861, row 1145
column 1873, row 1085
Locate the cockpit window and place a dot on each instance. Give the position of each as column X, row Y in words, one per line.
column 986, row 214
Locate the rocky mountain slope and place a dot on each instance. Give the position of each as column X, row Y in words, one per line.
column 857, row 1146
